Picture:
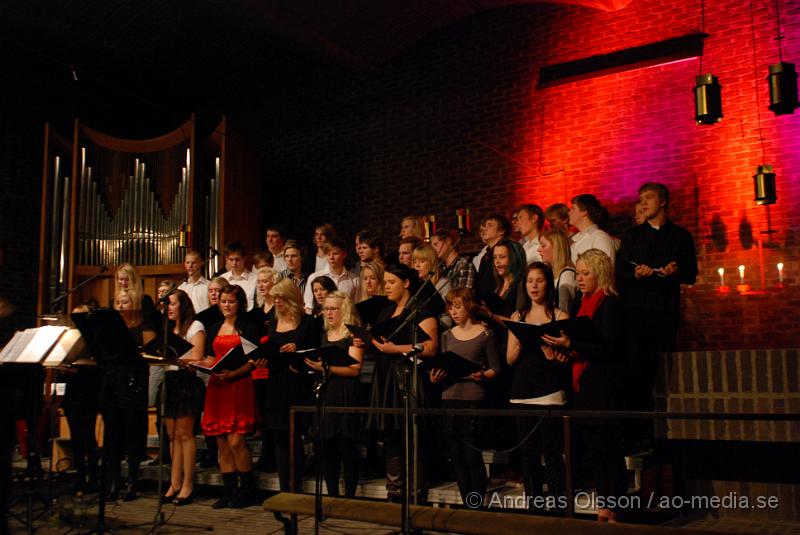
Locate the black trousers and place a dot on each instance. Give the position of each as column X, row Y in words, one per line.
column 463, row 436
column 82, row 439
column 125, row 435
column 281, row 445
column 649, row 333
column 338, row 452
column 547, row 441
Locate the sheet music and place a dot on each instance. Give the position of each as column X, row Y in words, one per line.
column 9, row 352
column 23, row 338
column 247, row 345
column 44, row 338
column 65, row 346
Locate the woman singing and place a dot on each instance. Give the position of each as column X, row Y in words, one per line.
column 538, row 383
column 472, row 341
column 230, row 406
column 184, row 399
column 340, row 432
column 287, row 385
column 598, row 366
column 395, row 340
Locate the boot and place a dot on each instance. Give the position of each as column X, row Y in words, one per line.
column 228, row 491
column 133, row 478
column 92, row 473
column 247, row 491
column 113, row 488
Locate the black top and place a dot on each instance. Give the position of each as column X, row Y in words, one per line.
column 286, row 386
column 209, row 317
column 260, row 321
column 535, row 376
column 656, row 248
column 485, row 282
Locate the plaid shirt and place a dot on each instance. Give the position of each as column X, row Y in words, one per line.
column 461, row 273
column 299, row 282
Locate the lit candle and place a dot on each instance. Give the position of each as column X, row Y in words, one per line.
column 721, row 272
column 780, row 272
column 741, row 274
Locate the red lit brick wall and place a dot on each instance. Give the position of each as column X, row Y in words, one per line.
column 457, row 121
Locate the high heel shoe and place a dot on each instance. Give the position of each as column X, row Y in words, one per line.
column 186, row 500
column 169, row 498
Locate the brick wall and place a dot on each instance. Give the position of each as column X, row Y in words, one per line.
column 457, row 121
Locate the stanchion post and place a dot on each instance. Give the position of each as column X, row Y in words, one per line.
column 565, row 420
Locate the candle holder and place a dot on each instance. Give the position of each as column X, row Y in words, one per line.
column 724, row 290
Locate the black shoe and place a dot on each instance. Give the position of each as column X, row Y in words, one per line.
column 169, row 498
column 130, row 493
column 185, row 500
column 113, row 491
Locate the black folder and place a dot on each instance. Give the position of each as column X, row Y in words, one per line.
column 529, row 335
column 176, row 346
column 232, row 360
column 333, row 355
column 456, row 366
column 369, row 309
column 360, row 332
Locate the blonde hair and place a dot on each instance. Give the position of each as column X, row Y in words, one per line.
column 599, row 263
column 418, row 225
column 377, row 269
column 286, row 290
column 349, row 314
column 427, row 253
column 135, row 283
column 562, row 258
column 271, row 274
column 136, row 313
column 222, row 281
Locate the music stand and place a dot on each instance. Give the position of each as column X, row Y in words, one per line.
column 109, row 341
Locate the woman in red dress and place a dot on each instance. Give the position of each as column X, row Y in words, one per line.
column 230, row 406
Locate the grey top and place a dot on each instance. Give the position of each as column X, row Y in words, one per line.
column 482, row 350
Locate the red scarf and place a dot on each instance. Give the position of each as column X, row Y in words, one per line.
column 589, row 305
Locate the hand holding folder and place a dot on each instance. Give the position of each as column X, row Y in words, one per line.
column 230, row 361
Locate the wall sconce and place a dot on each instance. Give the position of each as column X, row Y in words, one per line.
column 782, row 88
column 764, row 181
column 707, row 99
column 463, row 222
column 430, row 226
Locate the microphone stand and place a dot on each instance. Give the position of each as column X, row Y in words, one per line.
column 75, row 288
column 409, row 384
column 158, row 519
column 319, row 394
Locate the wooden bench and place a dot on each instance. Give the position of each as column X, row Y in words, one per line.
column 451, row 520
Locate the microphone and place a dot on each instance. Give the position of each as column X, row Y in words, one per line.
column 214, row 252
column 416, row 349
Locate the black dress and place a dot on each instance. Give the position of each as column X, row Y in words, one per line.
column 388, row 376
column 341, row 392
column 287, row 386
column 185, row 393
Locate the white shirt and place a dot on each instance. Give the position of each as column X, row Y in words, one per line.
column 531, row 247
column 476, row 260
column 346, row 282
column 247, row 280
column 198, row 293
column 593, row 238
column 280, row 263
column 321, row 263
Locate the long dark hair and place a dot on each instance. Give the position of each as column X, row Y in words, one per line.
column 241, row 299
column 516, row 262
column 550, row 296
column 327, row 283
column 185, row 312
